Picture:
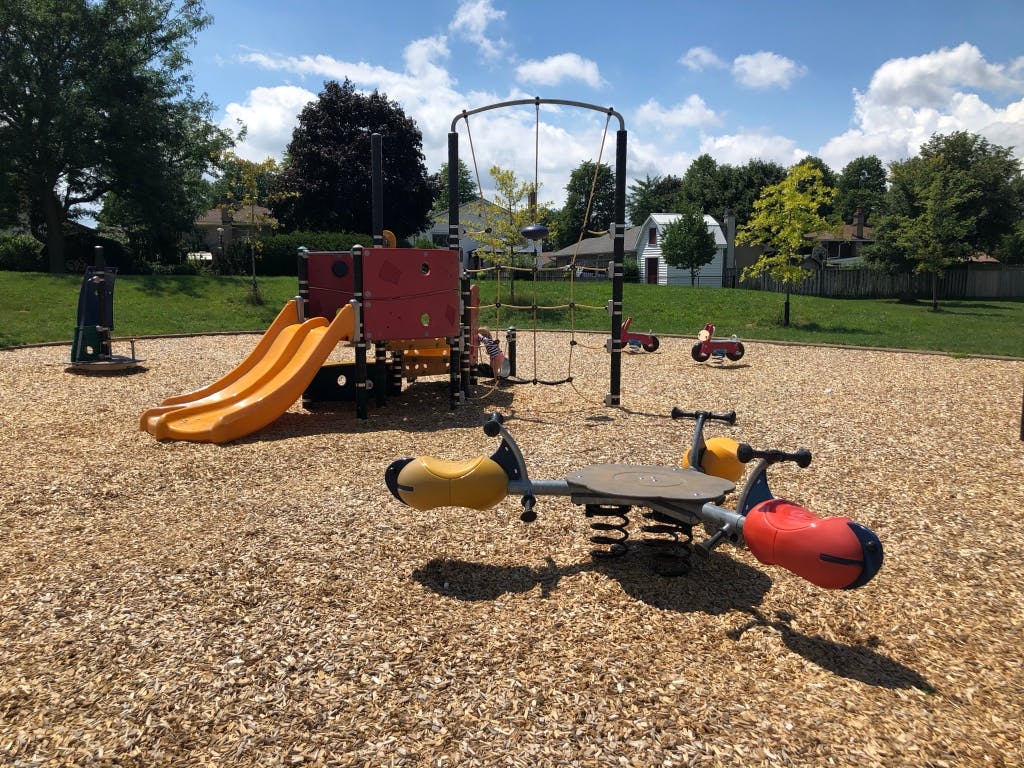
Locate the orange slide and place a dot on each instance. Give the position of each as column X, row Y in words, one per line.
column 260, row 388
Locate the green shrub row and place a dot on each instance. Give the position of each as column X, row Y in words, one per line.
column 278, row 253
column 21, row 253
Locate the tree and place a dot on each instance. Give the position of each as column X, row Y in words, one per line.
column 327, row 174
column 241, row 180
column 582, row 215
column 861, row 184
column 505, row 219
column 783, row 214
column 687, row 243
column 703, row 185
column 660, row 194
column 468, row 188
column 989, row 213
column 938, row 235
column 95, row 99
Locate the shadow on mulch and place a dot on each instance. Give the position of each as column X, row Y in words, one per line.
column 716, row 585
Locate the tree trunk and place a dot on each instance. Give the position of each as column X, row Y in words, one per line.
column 54, row 215
column 935, row 291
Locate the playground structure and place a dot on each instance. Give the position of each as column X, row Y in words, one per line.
column 92, row 348
column 708, row 347
column 417, row 306
column 833, row 553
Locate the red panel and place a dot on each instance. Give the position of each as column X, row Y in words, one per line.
column 331, row 284
column 410, row 293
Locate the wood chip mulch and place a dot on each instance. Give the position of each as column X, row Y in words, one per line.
column 267, row 602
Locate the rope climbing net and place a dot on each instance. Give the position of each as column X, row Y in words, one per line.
column 503, row 274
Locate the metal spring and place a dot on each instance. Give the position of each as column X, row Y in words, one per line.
column 671, row 555
column 616, row 544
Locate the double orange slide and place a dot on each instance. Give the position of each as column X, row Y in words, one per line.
column 260, row 389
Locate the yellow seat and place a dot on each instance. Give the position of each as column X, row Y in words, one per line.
column 720, row 459
column 427, row 482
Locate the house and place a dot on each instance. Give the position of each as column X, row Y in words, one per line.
column 594, row 252
column 653, row 267
column 219, row 227
column 844, row 247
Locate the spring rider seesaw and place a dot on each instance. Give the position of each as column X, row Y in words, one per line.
column 833, row 553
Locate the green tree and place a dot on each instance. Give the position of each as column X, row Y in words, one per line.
column 991, row 211
column 584, row 214
column 783, row 214
column 861, row 184
column 703, row 186
column 512, row 210
column 658, row 194
column 240, row 179
column 95, row 98
column 937, row 236
column 468, row 188
column 326, row 182
column 687, row 243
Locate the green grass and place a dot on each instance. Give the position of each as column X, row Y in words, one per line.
column 38, row 308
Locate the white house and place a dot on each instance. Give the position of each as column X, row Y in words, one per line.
column 653, row 268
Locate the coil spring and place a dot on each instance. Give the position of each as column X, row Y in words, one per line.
column 616, row 544
column 672, row 554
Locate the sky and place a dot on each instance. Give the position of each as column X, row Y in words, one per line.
column 737, row 80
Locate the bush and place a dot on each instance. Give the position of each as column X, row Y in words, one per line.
column 280, row 251
column 21, row 253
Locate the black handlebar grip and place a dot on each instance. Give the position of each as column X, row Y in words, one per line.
column 493, row 423
column 728, row 418
column 801, row 457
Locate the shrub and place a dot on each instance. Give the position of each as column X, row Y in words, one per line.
column 21, row 253
column 280, row 251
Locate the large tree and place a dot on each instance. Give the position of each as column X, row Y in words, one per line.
column 783, row 214
column 327, row 175
column 585, row 214
column 657, row 194
column 95, row 98
column 687, row 243
column 467, row 187
column 861, row 184
column 990, row 212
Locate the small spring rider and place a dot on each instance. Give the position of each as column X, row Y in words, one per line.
column 709, row 347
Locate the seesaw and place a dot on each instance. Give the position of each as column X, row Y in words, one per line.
column 834, row 553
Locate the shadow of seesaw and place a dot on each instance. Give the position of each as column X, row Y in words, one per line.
column 703, row 592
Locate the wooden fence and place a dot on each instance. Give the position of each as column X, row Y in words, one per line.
column 960, row 282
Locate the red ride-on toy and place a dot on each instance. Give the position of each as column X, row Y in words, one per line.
column 707, row 346
column 634, row 340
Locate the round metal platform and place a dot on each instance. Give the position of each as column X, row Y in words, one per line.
column 650, row 482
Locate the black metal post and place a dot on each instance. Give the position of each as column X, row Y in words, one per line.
column 377, row 188
column 460, row 374
column 618, row 258
column 357, row 279
column 303, row 269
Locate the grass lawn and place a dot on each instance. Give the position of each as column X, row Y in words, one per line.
column 38, row 308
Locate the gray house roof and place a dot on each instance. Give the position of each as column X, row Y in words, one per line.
column 595, row 247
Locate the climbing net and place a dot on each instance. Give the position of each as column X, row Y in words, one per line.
column 572, row 270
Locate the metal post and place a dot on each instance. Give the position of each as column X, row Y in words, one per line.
column 615, row 342
column 357, row 279
column 377, row 188
column 510, row 342
column 460, row 374
column 302, row 300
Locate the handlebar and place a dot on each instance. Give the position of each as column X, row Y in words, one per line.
column 728, row 418
column 801, row 457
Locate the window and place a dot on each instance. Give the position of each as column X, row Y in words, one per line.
column 652, row 236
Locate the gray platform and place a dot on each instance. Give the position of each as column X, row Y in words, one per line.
column 650, row 482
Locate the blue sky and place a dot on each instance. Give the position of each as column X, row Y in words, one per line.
column 734, row 79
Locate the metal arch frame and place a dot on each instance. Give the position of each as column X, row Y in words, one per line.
column 615, row 341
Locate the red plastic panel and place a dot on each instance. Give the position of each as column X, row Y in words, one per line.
column 331, row 284
column 410, row 293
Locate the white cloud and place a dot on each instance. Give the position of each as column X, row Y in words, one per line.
column 270, row 115
column 556, row 69
column 700, row 58
column 910, row 99
column 766, row 70
column 691, row 113
column 739, row 148
column 471, row 22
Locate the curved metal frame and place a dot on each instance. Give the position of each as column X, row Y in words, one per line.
column 614, row 343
